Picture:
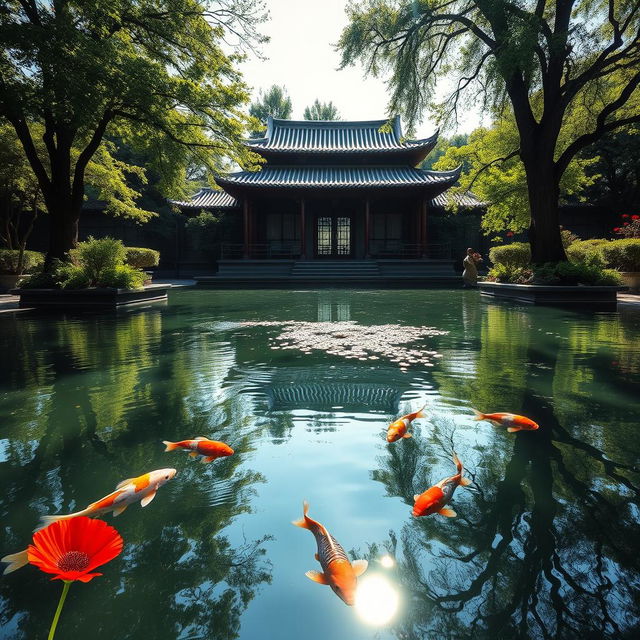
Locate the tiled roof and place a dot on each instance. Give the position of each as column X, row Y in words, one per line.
column 466, row 200
column 213, row 198
column 339, row 177
column 336, row 136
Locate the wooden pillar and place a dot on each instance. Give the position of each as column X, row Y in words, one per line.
column 303, row 231
column 245, row 250
column 367, row 227
column 423, row 228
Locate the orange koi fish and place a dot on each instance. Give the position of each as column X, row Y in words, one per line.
column 208, row 450
column 510, row 420
column 337, row 570
column 398, row 429
column 142, row 489
column 435, row 499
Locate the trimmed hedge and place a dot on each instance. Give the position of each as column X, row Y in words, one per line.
column 587, row 251
column 142, row 258
column 623, row 255
column 517, row 254
column 32, row 261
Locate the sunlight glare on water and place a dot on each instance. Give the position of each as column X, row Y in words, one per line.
column 377, row 600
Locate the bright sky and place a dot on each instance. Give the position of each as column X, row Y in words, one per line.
column 301, row 57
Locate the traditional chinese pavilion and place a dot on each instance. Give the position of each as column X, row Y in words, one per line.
column 330, row 191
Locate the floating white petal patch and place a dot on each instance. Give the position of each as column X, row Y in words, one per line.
column 354, row 341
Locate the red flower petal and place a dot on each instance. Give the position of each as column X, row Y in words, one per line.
column 635, row 217
column 625, row 215
column 94, row 539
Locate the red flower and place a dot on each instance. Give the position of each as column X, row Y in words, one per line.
column 625, row 215
column 73, row 548
column 626, row 224
column 635, row 217
column 616, row 229
column 509, row 234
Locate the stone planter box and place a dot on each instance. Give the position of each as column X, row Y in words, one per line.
column 8, row 282
column 632, row 280
column 90, row 299
column 601, row 298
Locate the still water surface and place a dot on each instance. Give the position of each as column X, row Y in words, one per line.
column 546, row 542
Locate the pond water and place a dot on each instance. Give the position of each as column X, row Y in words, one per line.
column 303, row 385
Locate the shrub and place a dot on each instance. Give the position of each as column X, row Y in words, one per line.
column 51, row 279
column 568, row 238
column 123, row 277
column 96, row 256
column 73, row 277
column 573, row 273
column 587, row 251
column 517, row 254
column 141, row 258
column 629, row 227
column 31, row 261
column 623, row 255
column 509, row 273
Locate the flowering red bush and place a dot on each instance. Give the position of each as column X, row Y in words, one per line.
column 629, row 229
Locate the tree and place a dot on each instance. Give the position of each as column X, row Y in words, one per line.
column 540, row 59
column 273, row 102
column 442, row 146
column 498, row 177
column 143, row 70
column 321, row 111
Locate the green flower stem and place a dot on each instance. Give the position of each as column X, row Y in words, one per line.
column 56, row 617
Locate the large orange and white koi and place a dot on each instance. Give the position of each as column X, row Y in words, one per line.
column 398, row 429
column 141, row 489
column 208, row 450
column 512, row 421
column 435, row 499
column 337, row 570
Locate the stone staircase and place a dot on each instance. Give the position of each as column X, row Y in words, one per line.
column 332, row 270
column 249, row 274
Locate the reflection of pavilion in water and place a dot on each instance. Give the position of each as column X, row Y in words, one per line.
column 347, row 387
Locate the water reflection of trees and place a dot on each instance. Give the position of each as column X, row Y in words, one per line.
column 547, row 544
column 99, row 396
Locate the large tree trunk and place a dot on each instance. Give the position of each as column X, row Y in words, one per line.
column 64, row 215
column 544, row 193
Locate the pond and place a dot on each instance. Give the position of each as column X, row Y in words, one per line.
column 302, row 385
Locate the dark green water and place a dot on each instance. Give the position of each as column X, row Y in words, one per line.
column 546, row 543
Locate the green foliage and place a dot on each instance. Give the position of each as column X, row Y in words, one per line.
column 95, row 256
column 516, row 254
column 587, row 251
column 623, row 255
column 52, row 278
column 96, row 263
column 31, row 261
column 510, row 273
column 497, row 176
column 321, row 111
column 155, row 75
column 123, row 277
column 273, row 102
column 141, row 258
column 443, row 144
column 204, row 229
column 573, row 273
column 568, row 238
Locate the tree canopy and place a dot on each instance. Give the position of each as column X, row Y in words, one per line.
column 154, row 73
column 321, row 111
column 537, row 60
column 274, row 102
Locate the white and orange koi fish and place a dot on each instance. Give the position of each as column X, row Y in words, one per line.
column 141, row 489
column 398, row 429
column 337, row 570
